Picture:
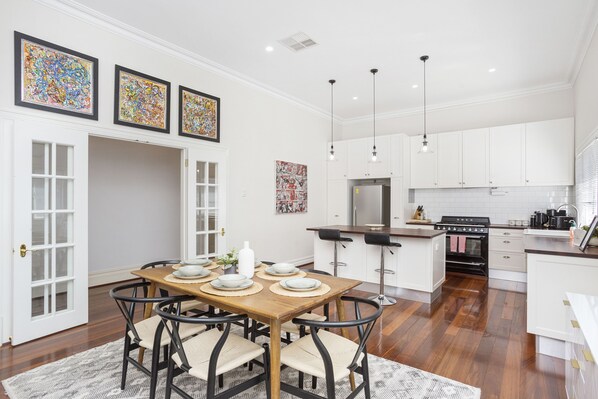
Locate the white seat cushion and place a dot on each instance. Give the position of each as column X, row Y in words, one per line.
column 188, row 305
column 235, row 352
column 146, row 329
column 293, row 328
column 303, row 355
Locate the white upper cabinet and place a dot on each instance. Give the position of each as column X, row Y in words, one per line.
column 423, row 164
column 449, row 160
column 475, row 158
column 360, row 164
column 397, row 156
column 507, row 145
column 337, row 169
column 549, row 153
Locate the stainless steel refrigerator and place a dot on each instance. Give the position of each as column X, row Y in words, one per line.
column 371, row 204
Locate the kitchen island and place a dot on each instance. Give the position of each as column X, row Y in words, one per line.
column 555, row 266
column 415, row 271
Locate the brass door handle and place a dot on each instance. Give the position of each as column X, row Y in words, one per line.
column 222, row 232
column 575, row 364
column 587, row 355
column 23, row 250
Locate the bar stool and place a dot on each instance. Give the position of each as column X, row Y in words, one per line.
column 383, row 240
column 334, row 235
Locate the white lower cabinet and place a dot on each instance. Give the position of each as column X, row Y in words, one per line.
column 337, row 204
column 506, row 251
column 390, row 265
column 352, row 255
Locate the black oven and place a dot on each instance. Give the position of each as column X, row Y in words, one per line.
column 466, row 244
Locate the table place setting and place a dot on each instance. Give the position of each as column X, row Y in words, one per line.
column 191, row 274
column 280, row 271
column 204, row 262
column 300, row 287
column 232, row 285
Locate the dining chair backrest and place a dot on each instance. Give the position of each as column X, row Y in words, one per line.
column 160, row 263
column 364, row 325
column 170, row 312
column 127, row 297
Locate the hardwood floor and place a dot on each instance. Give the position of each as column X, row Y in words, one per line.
column 473, row 334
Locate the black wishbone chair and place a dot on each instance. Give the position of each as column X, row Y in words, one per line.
column 148, row 333
column 331, row 356
column 210, row 354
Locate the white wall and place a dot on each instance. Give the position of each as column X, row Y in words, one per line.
column 257, row 127
column 586, row 97
column 134, row 204
column 535, row 107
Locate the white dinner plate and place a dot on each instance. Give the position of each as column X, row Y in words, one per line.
column 203, row 273
column 198, row 262
column 258, row 263
column 271, row 271
column 284, row 285
column 218, row 285
column 374, row 226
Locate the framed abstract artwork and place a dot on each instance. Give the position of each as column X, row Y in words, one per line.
column 199, row 115
column 141, row 100
column 53, row 78
column 291, row 187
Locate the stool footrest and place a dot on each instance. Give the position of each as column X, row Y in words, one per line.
column 338, row 264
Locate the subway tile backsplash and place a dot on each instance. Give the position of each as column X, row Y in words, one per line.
column 516, row 203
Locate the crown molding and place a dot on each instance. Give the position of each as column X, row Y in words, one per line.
column 584, row 39
column 88, row 15
column 463, row 103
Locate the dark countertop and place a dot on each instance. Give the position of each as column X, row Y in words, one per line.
column 421, row 224
column 506, row 226
column 411, row 233
column 559, row 246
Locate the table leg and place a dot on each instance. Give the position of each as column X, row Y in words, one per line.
column 147, row 312
column 340, row 311
column 275, row 359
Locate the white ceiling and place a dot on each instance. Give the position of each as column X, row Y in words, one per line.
column 531, row 43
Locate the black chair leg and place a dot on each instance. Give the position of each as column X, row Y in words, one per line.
column 154, row 372
column 365, row 372
column 253, row 337
column 314, row 382
column 289, row 336
column 300, row 380
column 169, row 377
column 221, row 381
column 266, row 359
column 123, row 379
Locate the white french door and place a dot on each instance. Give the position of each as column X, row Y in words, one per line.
column 50, row 230
column 206, row 202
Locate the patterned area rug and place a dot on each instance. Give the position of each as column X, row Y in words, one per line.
column 96, row 374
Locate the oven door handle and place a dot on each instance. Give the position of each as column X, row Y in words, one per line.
column 461, row 235
column 466, row 263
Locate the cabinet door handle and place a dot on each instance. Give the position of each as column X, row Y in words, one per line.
column 587, row 355
column 527, row 181
column 386, row 271
column 396, row 217
column 506, row 257
column 506, row 234
column 490, row 181
column 574, row 324
column 506, row 241
column 335, row 216
column 575, row 364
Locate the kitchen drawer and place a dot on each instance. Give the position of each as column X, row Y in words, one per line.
column 506, row 232
column 510, row 261
column 505, row 243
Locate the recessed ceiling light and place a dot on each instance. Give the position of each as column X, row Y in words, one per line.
column 492, row 70
column 269, row 49
column 355, row 98
column 415, row 86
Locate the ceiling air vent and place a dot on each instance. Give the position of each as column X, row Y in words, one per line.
column 298, row 41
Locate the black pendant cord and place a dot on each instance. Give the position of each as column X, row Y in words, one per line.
column 374, row 71
column 424, row 58
column 332, row 82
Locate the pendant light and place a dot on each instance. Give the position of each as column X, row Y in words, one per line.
column 374, row 152
column 424, row 58
column 332, row 82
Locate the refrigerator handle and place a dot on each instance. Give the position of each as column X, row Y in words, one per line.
column 354, row 216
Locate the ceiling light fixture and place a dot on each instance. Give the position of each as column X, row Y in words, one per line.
column 332, row 82
column 355, row 98
column 269, row 49
column 374, row 153
column 414, row 86
column 424, row 58
column 492, row 70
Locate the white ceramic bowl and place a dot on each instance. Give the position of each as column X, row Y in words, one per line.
column 283, row 267
column 301, row 283
column 198, row 262
column 232, row 280
column 190, row 270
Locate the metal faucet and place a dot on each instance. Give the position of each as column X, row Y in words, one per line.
column 572, row 206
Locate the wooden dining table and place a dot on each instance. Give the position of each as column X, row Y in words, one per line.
column 265, row 306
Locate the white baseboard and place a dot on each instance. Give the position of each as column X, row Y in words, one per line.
column 112, row 276
column 507, row 275
column 550, row 347
column 302, row 261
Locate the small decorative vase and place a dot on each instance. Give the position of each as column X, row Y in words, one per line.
column 229, row 269
column 246, row 261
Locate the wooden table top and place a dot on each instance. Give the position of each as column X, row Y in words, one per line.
column 263, row 306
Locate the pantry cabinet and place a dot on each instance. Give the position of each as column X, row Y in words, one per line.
column 398, row 199
column 507, row 155
column 423, row 164
column 337, row 204
column 549, row 153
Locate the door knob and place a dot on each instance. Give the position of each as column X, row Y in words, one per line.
column 222, row 232
column 23, row 250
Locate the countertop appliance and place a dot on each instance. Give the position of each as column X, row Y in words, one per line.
column 371, row 205
column 466, row 244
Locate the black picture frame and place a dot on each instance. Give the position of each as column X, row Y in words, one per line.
column 182, row 132
column 117, row 74
column 19, row 39
column 586, row 238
